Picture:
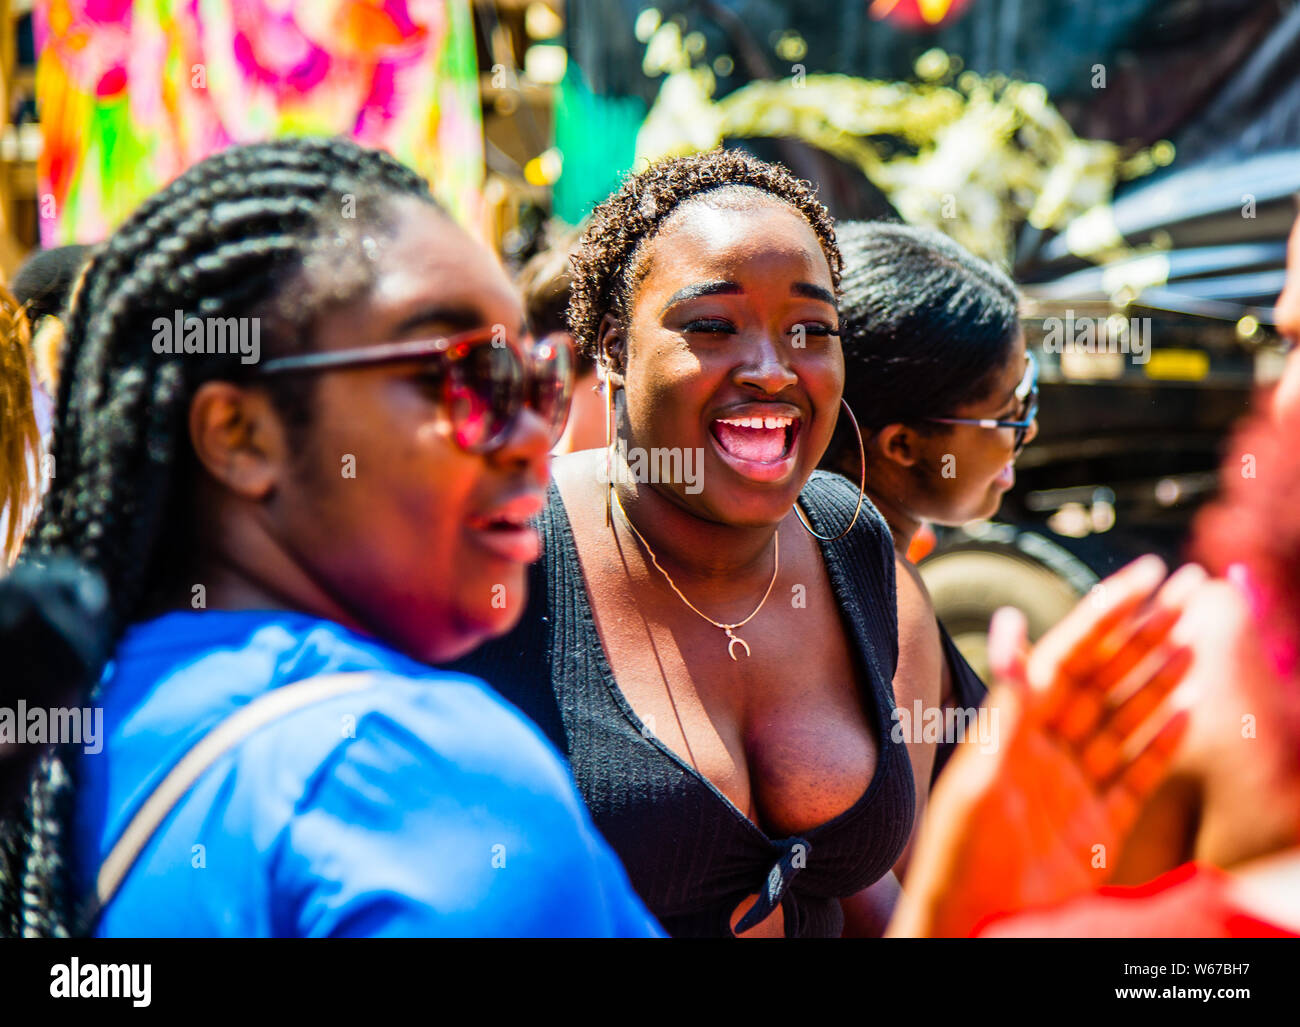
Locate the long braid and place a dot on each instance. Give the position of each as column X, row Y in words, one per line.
column 223, row 240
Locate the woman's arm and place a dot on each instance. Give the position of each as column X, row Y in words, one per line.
column 867, row 914
column 919, row 679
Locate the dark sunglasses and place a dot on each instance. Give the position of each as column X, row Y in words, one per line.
column 1026, row 392
column 486, row 381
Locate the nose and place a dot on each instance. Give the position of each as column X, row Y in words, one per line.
column 766, row 369
column 527, row 447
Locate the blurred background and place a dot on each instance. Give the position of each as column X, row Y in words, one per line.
column 1128, row 161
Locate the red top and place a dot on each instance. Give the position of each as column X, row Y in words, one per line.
column 1190, row 901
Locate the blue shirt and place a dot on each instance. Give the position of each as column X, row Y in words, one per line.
column 423, row 806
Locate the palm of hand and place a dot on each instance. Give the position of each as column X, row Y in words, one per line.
column 1040, row 819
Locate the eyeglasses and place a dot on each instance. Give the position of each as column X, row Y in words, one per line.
column 1026, row 392
column 486, row 382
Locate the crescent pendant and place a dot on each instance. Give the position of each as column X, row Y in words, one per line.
column 731, row 646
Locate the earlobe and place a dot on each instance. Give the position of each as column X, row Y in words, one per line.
column 896, row 442
column 238, row 439
column 611, row 347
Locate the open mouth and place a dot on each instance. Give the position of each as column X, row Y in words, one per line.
column 759, row 446
column 507, row 531
column 760, row 440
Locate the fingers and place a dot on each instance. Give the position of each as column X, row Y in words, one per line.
column 1134, row 711
column 1112, row 661
column 1085, row 629
column 1009, row 647
column 1103, row 755
column 1087, row 678
column 1139, row 778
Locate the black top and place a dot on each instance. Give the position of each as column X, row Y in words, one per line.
column 968, row 692
column 690, row 853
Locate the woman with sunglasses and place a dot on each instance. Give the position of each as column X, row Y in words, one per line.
column 285, row 547
column 719, row 675
column 946, row 395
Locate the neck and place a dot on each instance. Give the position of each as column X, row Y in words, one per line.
column 249, row 570
column 903, row 525
column 703, row 553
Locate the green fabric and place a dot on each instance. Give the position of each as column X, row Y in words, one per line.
column 597, row 137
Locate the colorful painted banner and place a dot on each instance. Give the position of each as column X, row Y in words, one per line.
column 132, row 94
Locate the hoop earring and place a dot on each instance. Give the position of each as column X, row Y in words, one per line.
column 862, row 484
column 609, row 441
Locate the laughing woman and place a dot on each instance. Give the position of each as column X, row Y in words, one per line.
column 718, row 676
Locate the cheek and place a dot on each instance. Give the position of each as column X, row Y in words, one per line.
column 391, row 486
column 823, row 381
column 959, row 474
column 666, row 390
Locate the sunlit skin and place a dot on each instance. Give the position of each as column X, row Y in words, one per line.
column 783, row 733
column 397, row 551
column 586, row 426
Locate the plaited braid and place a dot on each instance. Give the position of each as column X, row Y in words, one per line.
column 606, row 262
column 223, row 240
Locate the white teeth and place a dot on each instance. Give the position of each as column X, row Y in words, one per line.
column 758, row 422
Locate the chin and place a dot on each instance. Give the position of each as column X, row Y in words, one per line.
column 468, row 636
column 985, row 511
column 991, row 508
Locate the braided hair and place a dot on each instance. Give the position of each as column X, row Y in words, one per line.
column 239, row 234
column 607, row 264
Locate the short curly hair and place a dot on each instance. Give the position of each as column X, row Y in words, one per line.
column 604, row 266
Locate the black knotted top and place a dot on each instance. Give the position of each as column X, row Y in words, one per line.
column 690, row 853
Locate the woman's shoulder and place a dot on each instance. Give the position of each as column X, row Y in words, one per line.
column 438, row 725
column 177, row 679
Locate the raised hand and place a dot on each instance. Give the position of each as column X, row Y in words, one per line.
column 1083, row 737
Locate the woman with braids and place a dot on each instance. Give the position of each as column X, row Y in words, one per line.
column 935, row 365
column 285, row 546
column 717, row 675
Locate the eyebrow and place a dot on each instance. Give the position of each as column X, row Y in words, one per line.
column 812, row 292
column 694, row 292
column 721, row 287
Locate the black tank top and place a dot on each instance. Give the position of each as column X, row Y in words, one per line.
column 690, row 853
column 968, row 692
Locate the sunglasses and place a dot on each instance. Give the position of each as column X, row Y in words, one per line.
column 485, row 381
column 1026, row 392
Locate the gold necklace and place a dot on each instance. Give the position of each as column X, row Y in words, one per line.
column 728, row 628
